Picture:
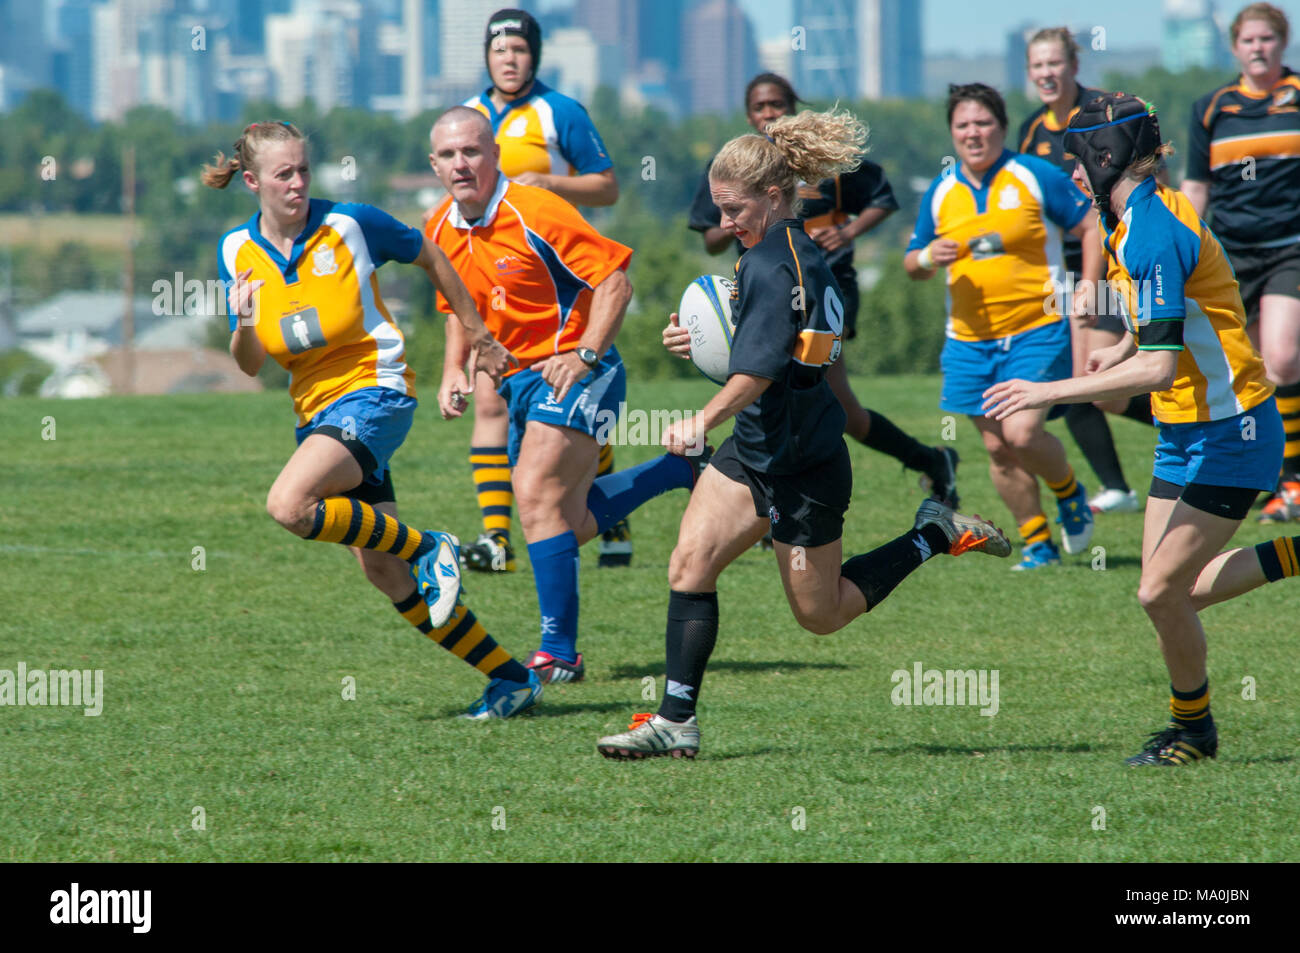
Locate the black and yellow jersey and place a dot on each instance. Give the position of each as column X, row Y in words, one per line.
column 789, row 324
column 1246, row 145
column 1040, row 136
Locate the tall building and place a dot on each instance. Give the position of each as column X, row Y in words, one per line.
column 1193, row 35
column 719, row 56
column 659, row 32
column 72, row 65
column 24, row 50
column 310, row 57
column 891, row 62
column 460, row 41
column 824, row 50
column 614, row 24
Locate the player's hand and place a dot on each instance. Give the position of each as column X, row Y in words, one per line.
column 1105, row 358
column 1008, row 397
column 829, row 238
column 489, row 355
column 944, row 251
column 677, row 339
column 1083, row 305
column 684, row 437
column 538, row 180
column 452, row 395
column 562, row 371
column 240, row 297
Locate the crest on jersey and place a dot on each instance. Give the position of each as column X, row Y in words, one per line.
column 1285, row 97
column 518, row 127
column 322, row 261
column 1009, row 198
column 987, row 246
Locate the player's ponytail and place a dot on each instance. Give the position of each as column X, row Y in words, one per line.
column 244, row 157
column 807, row 147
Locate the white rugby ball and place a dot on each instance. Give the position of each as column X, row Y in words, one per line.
column 705, row 311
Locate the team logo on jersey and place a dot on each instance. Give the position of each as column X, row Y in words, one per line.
column 322, row 261
column 517, row 128
column 1285, row 97
column 509, row 265
column 1009, row 198
column 302, row 331
column 987, row 246
column 774, row 515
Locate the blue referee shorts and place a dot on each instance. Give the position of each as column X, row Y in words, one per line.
column 585, row 408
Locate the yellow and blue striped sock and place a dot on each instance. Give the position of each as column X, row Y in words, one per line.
column 1277, row 557
column 491, row 467
column 341, row 519
column 464, row 637
column 1066, row 488
column 1034, row 530
column 605, row 464
column 1288, row 405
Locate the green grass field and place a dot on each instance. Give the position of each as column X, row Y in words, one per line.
column 223, row 688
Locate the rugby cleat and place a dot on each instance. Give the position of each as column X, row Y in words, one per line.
column 651, row 736
column 1174, row 746
column 552, row 669
column 1284, row 505
column 1037, row 556
column 1076, row 522
column 502, row 699
column 491, row 552
column 616, row 546
column 941, row 478
column 437, row 577
column 1115, row 501
column 965, row 533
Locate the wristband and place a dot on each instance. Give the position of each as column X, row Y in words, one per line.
column 925, row 259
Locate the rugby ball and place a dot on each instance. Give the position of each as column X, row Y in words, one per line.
column 705, row 311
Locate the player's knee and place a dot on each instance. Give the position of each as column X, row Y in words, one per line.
column 1282, row 365
column 689, row 568
column 1019, row 438
column 1157, row 592
column 290, row 511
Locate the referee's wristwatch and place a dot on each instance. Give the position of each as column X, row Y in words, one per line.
column 587, row 356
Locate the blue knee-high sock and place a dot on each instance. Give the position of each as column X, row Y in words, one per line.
column 615, row 495
column 555, row 574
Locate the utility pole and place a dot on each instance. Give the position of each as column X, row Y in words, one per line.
column 128, row 318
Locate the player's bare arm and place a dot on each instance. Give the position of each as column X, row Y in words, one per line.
column 456, row 384
column 487, row 352
column 1198, row 193
column 609, row 302
column 835, row 237
column 922, row 263
column 1144, row 372
column 245, row 347
column 687, row 436
column 593, row 190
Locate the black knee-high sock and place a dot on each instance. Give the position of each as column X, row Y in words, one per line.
column 885, row 437
column 1091, row 432
column 1139, row 409
column 691, row 634
column 877, row 573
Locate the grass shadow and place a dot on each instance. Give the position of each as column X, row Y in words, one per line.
column 657, row 668
column 985, row 749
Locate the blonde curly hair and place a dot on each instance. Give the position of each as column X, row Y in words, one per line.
column 807, row 147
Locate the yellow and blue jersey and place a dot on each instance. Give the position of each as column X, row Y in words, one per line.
column 319, row 313
column 1008, row 231
column 1179, row 293
column 545, row 132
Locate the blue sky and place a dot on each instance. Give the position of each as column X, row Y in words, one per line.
column 979, row 26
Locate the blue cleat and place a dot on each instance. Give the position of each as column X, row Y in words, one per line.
column 1076, row 521
column 437, row 576
column 1037, row 556
column 501, row 699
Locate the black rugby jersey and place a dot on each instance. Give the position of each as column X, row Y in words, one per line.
column 1246, row 145
column 789, row 321
column 830, row 202
column 1039, row 136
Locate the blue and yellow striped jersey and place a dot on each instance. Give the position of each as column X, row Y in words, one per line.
column 1179, row 293
column 544, row 131
column 1009, row 231
column 319, row 313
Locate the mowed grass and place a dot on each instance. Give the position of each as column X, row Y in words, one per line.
column 224, row 687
